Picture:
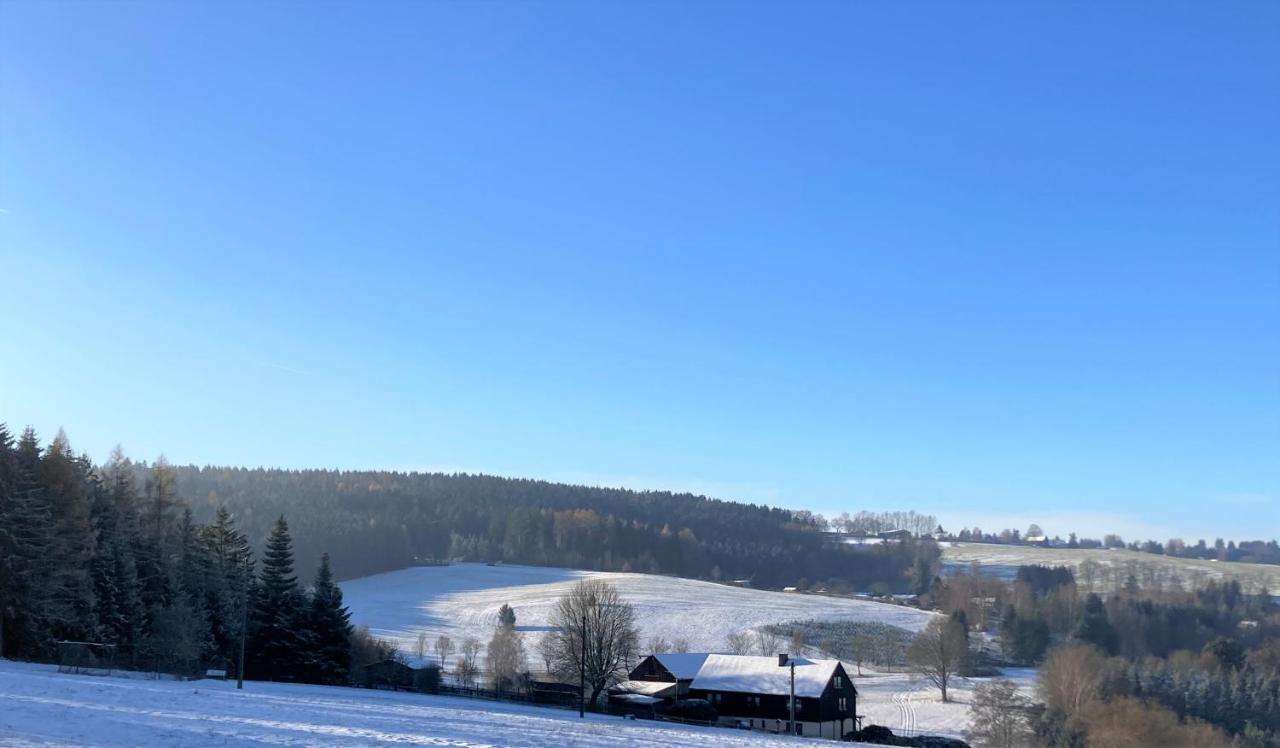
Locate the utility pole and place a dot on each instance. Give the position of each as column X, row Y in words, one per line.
column 244, row 628
column 582, row 673
column 786, row 660
column 792, row 704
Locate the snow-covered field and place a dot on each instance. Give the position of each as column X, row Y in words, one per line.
column 904, row 702
column 463, row 600
column 41, row 707
column 1003, row 560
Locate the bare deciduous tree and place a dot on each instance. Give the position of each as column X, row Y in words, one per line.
column 767, row 642
column 939, row 651
column 506, row 658
column 593, row 617
column 468, row 667
column 799, row 641
column 444, row 648
column 658, row 645
column 738, row 642
column 420, row 649
column 1071, row 679
column 680, row 645
column 999, row 717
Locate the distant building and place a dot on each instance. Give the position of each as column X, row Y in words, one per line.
column 898, row 535
column 388, row 674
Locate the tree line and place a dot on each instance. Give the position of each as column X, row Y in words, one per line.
column 375, row 521
column 1245, row 551
column 91, row 554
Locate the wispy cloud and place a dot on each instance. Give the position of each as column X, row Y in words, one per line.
column 1248, row 499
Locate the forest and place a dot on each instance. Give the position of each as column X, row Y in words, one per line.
column 160, row 559
column 91, row 556
column 371, row 522
column 1192, row 665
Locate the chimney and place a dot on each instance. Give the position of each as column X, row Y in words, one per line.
column 782, row 659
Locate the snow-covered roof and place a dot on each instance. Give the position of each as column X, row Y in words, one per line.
column 635, row 698
column 762, row 675
column 646, row 687
column 683, row 665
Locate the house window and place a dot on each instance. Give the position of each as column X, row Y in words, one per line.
column 843, row 706
column 839, row 682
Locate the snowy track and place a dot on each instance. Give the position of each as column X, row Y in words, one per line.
column 906, row 709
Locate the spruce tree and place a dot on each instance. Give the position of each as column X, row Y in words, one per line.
column 66, row 480
column 231, row 585
column 129, row 613
column 27, row 528
column 102, row 565
column 156, row 542
column 506, row 616
column 277, row 611
column 329, row 630
column 1095, row 628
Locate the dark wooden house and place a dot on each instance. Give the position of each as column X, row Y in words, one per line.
column 754, row 692
column 389, row 674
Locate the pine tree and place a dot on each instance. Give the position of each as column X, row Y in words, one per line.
column 1095, row 628
column 277, row 611
column 67, row 483
column 232, row 584
column 27, row 531
column 102, row 566
column 128, row 611
column 156, row 543
column 506, row 616
column 329, row 630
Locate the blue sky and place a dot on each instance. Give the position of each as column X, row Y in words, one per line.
column 1004, row 262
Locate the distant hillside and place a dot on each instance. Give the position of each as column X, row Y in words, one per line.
column 371, row 522
column 1102, row 570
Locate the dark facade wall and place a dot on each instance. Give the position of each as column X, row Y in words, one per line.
column 825, row 708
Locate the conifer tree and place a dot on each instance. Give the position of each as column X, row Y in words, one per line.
column 231, row 563
column 1095, row 628
column 277, row 611
column 128, row 613
column 66, row 481
column 157, row 527
column 329, row 630
column 28, row 529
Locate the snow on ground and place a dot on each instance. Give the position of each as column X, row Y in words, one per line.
column 1004, row 560
column 463, row 599
column 904, row 702
column 41, row 707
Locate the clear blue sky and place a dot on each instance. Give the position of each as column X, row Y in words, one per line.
column 1004, row 262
